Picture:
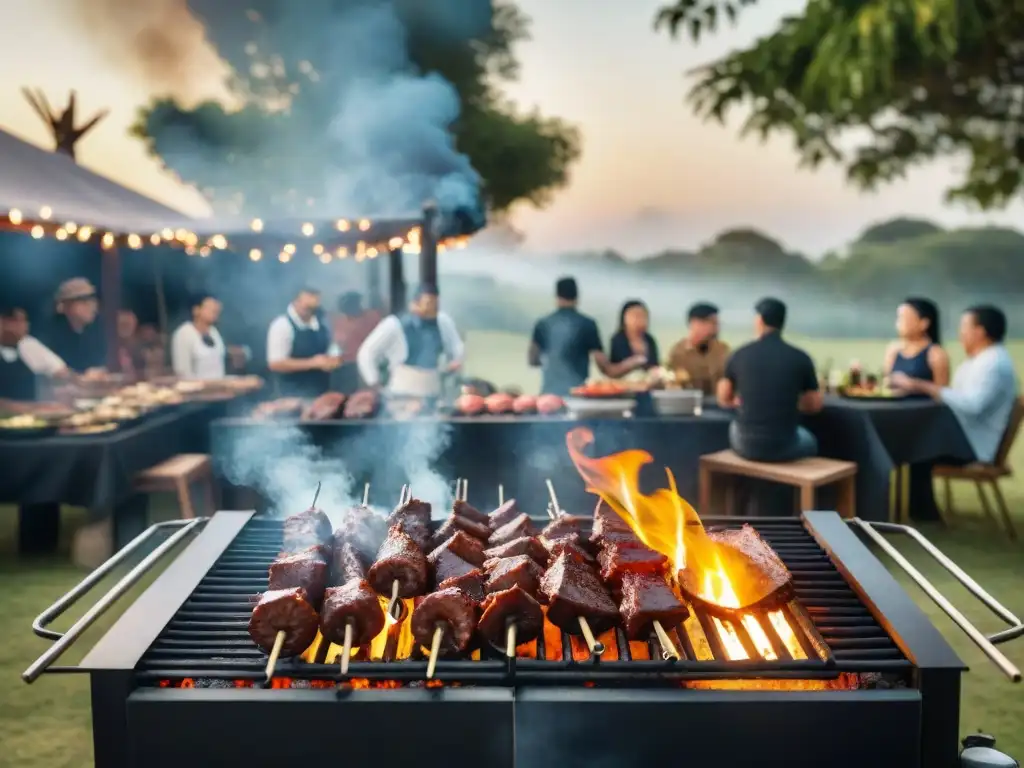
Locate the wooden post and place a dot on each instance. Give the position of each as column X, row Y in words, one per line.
column 373, row 288
column 110, row 291
column 396, row 293
column 428, row 245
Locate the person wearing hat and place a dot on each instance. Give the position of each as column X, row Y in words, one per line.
column 298, row 346
column 75, row 336
column 23, row 358
column 410, row 345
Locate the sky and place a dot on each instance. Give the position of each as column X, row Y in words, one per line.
column 652, row 175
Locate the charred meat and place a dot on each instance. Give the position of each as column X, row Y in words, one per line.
column 288, row 611
column 399, row 559
column 471, row 584
column 456, row 523
column 450, row 609
column 576, row 546
column 355, row 602
column 306, row 570
column 468, row 511
column 513, row 605
column 508, row 572
column 524, row 545
column 462, row 544
column 607, row 521
column 414, row 518
column 646, row 598
column 514, row 529
column 561, row 527
column 447, row 565
column 363, row 528
column 616, row 561
column 348, row 563
column 572, row 590
column 306, row 529
column 504, row 514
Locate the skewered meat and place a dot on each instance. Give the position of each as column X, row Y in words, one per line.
column 505, row 513
column 573, row 590
column 399, row 559
column 354, row 601
column 305, row 529
column 517, row 528
column 759, row 577
column 510, row 605
column 363, row 404
column 548, row 404
column 414, row 519
column 451, row 608
column 456, row 523
column 616, row 561
column 288, row 611
column 524, row 545
column 562, row 526
column 498, row 403
column 282, row 407
column 307, row 570
column 447, row 565
column 524, row 404
column 647, row 598
column 471, row 584
column 507, row 572
column 575, row 545
column 327, row 406
column 347, row 563
column 363, row 528
column 470, row 405
column 470, row 512
column 607, row 523
column 465, row 546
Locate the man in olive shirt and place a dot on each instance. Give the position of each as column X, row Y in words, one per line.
column 698, row 361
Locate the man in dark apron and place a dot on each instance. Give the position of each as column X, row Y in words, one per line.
column 297, row 349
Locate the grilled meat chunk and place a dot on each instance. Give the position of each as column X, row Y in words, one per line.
column 514, row 529
column 348, row 563
column 507, row 572
column 309, row 528
column 647, row 598
column 616, row 561
column 304, row 569
column 356, row 602
column 607, row 521
column 468, row 511
column 575, row 546
column 451, row 609
column 471, row 584
column 455, row 523
column 363, row 528
column 414, row 518
column 510, row 605
column 462, row 544
column 505, row 513
column 399, row 559
column 561, row 527
column 572, row 590
column 288, row 611
column 447, row 565
column 362, row 405
column 327, row 406
column 524, row 545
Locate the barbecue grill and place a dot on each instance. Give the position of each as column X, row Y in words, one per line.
column 849, row 673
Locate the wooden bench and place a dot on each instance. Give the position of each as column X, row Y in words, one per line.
column 178, row 475
column 805, row 474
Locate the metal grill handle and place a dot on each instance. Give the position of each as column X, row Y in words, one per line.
column 987, row 644
column 67, row 639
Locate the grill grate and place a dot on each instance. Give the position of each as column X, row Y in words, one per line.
column 208, row 637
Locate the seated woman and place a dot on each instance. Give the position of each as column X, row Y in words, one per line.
column 918, row 353
column 632, row 341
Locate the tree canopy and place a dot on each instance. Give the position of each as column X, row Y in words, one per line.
column 288, row 137
column 877, row 86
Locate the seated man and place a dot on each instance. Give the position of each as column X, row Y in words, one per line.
column 23, row 358
column 771, row 383
column 698, row 360
column 984, row 387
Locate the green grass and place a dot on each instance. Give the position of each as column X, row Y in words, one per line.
column 48, row 723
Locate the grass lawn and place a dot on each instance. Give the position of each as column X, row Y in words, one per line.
column 48, row 723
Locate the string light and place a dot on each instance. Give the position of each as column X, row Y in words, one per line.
column 289, row 249
column 342, row 252
column 308, row 229
column 181, row 235
column 371, row 252
column 395, row 242
column 255, row 254
column 204, row 251
column 318, row 249
column 325, row 258
column 154, row 239
column 284, row 257
column 134, row 242
column 71, row 227
column 108, row 240
column 84, row 234
column 219, row 242
column 167, row 234
column 38, row 232
column 364, row 224
column 343, row 225
column 190, row 251
column 14, row 216
column 45, row 212
column 257, row 225
column 61, row 234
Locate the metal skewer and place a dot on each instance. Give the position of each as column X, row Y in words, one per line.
column 435, row 649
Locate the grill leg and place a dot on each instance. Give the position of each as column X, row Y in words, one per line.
column 940, row 718
column 110, row 742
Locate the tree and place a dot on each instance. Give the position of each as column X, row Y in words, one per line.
column 343, row 100
column 878, row 85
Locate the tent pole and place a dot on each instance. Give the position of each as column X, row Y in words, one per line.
column 397, row 281
column 110, row 288
column 428, row 246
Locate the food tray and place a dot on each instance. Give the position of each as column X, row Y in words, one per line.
column 588, row 407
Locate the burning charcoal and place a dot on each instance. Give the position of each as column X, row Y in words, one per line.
column 756, row 573
column 462, row 509
column 288, row 611
column 517, row 528
column 471, row 584
column 305, row 569
column 465, row 546
column 575, row 546
column 354, row 601
column 456, row 523
column 561, row 527
column 573, row 590
column 510, row 605
column 647, row 598
column 447, row 565
column 616, row 561
column 399, row 559
column 524, row 545
column 451, row 608
column 505, row 573
column 348, row 563
column 504, row 514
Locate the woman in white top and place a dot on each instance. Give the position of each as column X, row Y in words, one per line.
column 197, row 349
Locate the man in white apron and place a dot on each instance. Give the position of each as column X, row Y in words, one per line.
column 411, row 345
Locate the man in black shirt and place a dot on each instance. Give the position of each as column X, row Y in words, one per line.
column 75, row 336
column 564, row 341
column 771, row 383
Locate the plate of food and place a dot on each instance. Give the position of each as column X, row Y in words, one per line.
column 870, row 393
column 25, row 426
column 603, row 390
column 90, row 429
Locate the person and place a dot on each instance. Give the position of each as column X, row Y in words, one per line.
column 918, row 353
column 352, row 326
column 197, row 349
column 23, row 358
column 771, row 383
column 564, row 342
column 75, row 336
column 699, row 359
column 632, row 338
column 410, row 345
column 984, row 387
column 297, row 346
column 131, row 359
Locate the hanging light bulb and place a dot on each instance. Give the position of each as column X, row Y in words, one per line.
column 14, row 216
column 134, row 242
column 61, row 234
column 343, row 225
column 257, row 225
column 45, row 212
column 38, row 232
column 371, row 253
column 255, row 254
column 341, row 252
column 395, row 242
column 84, row 234
column 289, row 249
column 190, row 251
column 71, row 227
column 167, row 234
column 308, row 229
column 364, row 225
column 204, row 251
column 154, row 239
column 219, row 242
column 284, row 257
column 108, row 240
column 318, row 249
column 325, row 258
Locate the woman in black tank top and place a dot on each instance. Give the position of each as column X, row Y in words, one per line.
column 918, row 353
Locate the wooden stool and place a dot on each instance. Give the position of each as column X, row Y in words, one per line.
column 806, row 474
column 177, row 475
